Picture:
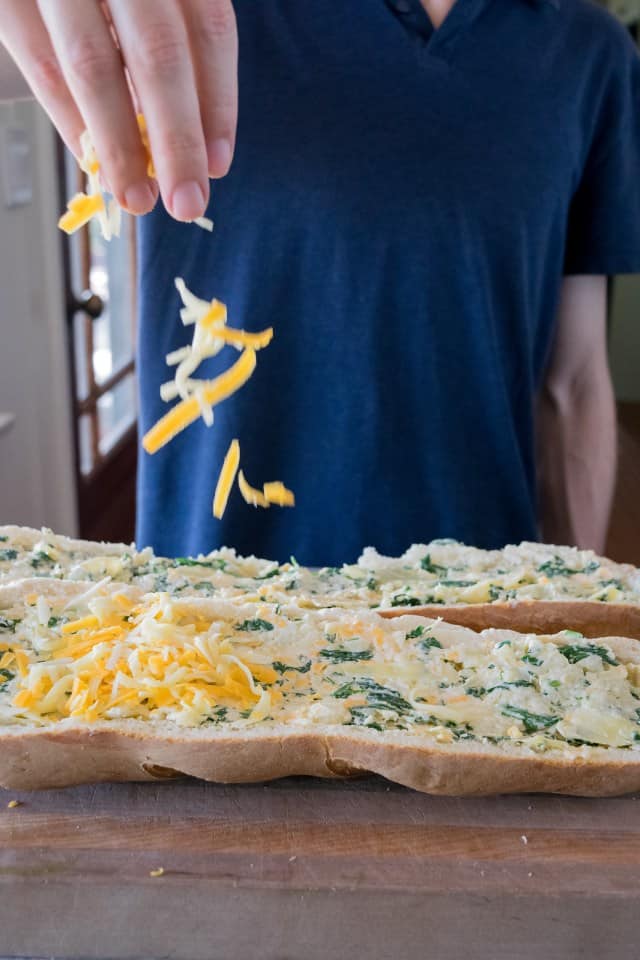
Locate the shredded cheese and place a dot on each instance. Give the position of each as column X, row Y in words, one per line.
column 226, row 478
column 277, row 493
column 186, row 412
column 240, row 338
column 160, row 660
column 253, row 497
column 80, row 210
column 146, row 143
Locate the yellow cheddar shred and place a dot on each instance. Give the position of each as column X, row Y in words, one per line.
column 217, row 315
column 187, row 411
column 75, row 626
column 250, row 495
column 240, row 338
column 144, row 134
column 277, row 493
column 80, row 211
column 226, row 478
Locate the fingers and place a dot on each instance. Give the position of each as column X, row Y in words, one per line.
column 25, row 36
column 214, row 48
column 181, row 57
column 154, row 40
column 94, row 73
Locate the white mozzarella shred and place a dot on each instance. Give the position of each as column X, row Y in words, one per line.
column 93, row 590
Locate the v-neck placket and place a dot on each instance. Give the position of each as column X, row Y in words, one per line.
column 438, row 43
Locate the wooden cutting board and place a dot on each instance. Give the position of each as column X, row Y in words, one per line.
column 315, row 869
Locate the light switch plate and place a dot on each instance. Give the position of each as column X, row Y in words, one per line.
column 16, row 167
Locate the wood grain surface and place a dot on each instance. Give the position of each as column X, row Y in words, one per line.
column 310, row 869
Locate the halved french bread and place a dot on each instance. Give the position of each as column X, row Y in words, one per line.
column 115, row 684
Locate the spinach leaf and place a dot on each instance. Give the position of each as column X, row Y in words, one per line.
column 415, row 633
column 39, row 558
column 531, row 722
column 378, row 697
column 436, row 568
column 511, row 683
column 270, row 573
column 457, row 583
column 405, row 601
column 254, row 626
column 8, row 554
column 5, row 676
column 3, row 539
column 10, row 625
column 336, row 655
column 360, row 717
column 577, row 652
column 475, row 691
column 216, row 564
column 556, row 567
column 528, row 658
column 280, row 667
column 429, row 643
column 219, row 715
column 206, row 587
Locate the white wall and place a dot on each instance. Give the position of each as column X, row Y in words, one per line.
column 37, row 479
column 625, row 339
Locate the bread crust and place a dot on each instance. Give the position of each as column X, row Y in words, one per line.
column 72, row 754
column 589, row 617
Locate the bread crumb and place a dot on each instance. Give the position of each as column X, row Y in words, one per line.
column 524, row 839
column 158, row 872
column 529, row 874
column 13, row 803
column 291, row 859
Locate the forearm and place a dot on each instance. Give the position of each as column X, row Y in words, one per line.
column 577, row 459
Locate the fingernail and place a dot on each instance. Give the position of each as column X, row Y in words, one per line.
column 219, row 157
column 140, row 197
column 188, row 201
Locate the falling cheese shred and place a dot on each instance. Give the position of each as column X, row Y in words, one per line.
column 277, row 493
column 187, row 411
column 226, row 479
column 196, row 397
column 253, row 497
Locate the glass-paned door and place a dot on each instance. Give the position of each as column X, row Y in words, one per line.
column 101, row 305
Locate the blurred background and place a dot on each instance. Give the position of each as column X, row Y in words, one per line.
column 67, row 352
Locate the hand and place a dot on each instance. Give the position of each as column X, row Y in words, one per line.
column 95, row 64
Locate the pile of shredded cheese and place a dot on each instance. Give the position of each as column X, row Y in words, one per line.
column 137, row 658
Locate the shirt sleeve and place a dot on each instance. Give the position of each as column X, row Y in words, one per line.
column 604, row 218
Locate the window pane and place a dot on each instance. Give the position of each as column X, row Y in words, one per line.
column 85, row 445
column 110, row 278
column 116, row 413
column 80, row 353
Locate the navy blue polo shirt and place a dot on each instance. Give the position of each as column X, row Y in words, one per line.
column 402, row 208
